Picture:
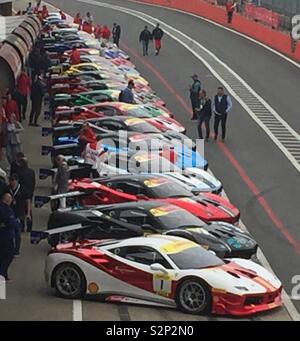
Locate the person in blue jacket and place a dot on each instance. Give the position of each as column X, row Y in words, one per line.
column 8, row 225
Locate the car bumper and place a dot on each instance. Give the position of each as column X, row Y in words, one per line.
column 236, row 305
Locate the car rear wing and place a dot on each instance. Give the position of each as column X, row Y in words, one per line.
column 37, row 236
column 46, row 131
column 40, row 200
column 76, row 171
column 64, row 113
column 61, row 149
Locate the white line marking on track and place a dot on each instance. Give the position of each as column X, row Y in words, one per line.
column 281, row 55
column 261, row 257
column 77, row 310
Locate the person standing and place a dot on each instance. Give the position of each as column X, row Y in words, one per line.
column 157, row 35
column 89, row 19
column 37, row 96
column 116, row 33
column 61, row 180
column 145, row 37
column 204, row 115
column 11, row 107
column 126, row 95
column 230, row 6
column 105, row 34
column 21, row 207
column 78, row 20
column 62, row 15
column 195, row 89
column 8, row 226
column 29, row 10
column 221, row 107
column 28, row 183
column 23, row 90
column 98, row 32
column 75, row 56
column 13, row 128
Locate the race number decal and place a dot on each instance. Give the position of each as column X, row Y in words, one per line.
column 162, row 284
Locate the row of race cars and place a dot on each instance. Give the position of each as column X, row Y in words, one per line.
column 145, row 222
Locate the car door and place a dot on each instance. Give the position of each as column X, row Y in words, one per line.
column 134, row 267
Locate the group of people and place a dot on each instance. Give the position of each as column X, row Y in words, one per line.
column 146, row 36
column 204, row 108
column 29, row 90
column 102, row 33
column 16, row 195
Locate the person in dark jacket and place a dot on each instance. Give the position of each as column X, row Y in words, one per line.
column 116, row 33
column 221, row 107
column 145, row 37
column 195, row 89
column 37, row 96
column 16, row 167
column 157, row 35
column 8, row 226
column 204, row 115
column 126, row 95
column 28, row 183
column 21, row 207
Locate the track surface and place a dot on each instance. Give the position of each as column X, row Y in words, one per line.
column 278, row 182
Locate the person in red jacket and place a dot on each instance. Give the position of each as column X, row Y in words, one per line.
column 87, row 135
column 87, row 27
column 98, row 32
column 44, row 12
column 230, row 6
column 105, row 33
column 62, row 15
column 23, row 90
column 75, row 56
column 77, row 19
column 11, row 107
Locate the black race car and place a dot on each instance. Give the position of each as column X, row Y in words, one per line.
column 154, row 217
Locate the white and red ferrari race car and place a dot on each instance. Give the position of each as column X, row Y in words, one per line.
column 163, row 271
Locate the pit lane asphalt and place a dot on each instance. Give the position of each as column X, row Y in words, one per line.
column 28, row 297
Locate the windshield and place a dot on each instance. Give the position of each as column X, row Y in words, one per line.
column 151, row 164
column 195, row 258
column 139, row 112
column 165, row 188
column 172, row 217
column 143, row 127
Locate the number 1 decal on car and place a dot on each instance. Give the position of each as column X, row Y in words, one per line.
column 162, row 284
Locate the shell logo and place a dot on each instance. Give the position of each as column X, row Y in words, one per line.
column 93, row 288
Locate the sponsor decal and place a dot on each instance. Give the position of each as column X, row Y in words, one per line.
column 155, row 182
column 177, row 246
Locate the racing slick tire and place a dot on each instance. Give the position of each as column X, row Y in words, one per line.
column 193, row 297
column 69, row 281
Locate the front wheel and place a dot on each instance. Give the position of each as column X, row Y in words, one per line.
column 193, row 297
column 69, row 281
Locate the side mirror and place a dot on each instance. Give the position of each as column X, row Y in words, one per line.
column 158, row 268
column 212, row 252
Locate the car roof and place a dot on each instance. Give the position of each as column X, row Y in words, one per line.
column 164, row 243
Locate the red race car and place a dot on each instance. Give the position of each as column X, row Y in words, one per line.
column 208, row 207
column 156, row 116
